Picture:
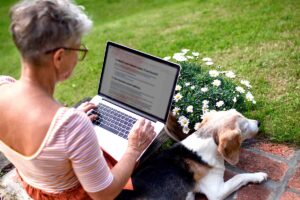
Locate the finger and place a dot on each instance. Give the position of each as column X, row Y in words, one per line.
column 146, row 127
column 93, row 117
column 89, row 107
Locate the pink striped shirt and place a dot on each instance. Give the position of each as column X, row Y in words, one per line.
column 68, row 155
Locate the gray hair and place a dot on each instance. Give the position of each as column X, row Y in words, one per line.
column 38, row 26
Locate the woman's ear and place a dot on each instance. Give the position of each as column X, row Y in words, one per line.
column 58, row 58
column 229, row 145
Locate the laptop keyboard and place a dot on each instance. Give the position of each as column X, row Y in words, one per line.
column 113, row 120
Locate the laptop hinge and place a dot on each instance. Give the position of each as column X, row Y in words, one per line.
column 129, row 109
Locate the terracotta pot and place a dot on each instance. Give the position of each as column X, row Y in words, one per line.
column 174, row 129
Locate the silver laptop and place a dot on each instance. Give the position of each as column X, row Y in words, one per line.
column 133, row 85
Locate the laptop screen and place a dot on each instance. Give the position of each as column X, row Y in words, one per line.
column 141, row 81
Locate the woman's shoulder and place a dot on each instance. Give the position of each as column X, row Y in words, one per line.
column 72, row 119
column 6, row 79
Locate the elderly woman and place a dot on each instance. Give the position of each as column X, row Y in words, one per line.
column 54, row 148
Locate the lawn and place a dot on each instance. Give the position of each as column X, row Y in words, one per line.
column 258, row 40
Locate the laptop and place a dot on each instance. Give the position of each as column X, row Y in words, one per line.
column 132, row 85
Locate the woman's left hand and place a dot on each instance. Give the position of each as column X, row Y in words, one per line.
column 86, row 107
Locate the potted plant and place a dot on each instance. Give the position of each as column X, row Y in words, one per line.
column 203, row 87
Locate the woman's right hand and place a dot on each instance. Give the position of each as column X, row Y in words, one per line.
column 140, row 136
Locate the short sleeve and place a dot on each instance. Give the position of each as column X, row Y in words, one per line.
column 85, row 154
column 6, row 79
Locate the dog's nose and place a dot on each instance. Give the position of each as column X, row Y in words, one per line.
column 258, row 123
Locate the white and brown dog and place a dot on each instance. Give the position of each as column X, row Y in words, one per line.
column 196, row 165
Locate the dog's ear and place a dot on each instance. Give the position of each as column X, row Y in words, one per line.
column 229, row 145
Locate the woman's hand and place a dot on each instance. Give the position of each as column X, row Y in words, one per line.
column 86, row 107
column 140, row 136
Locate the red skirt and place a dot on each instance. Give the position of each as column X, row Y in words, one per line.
column 76, row 193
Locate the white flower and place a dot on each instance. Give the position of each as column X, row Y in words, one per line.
column 254, row 102
column 205, row 102
column 219, row 104
column 183, row 121
column 204, row 89
column 205, row 109
column 246, row 83
column 249, row 96
column 189, row 109
column 230, row 74
column 177, row 97
column 192, row 87
column 186, row 130
column 213, row 73
column 197, row 126
column 216, row 82
column 209, row 63
column 178, row 87
column 187, row 84
column 234, row 99
column 240, row 89
column 195, row 54
column 167, row 58
column 206, row 59
column 175, row 111
column 184, row 50
column 190, row 57
column 179, row 57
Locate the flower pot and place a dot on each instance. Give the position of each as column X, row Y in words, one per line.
column 174, row 129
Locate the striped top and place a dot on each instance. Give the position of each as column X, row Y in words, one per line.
column 69, row 155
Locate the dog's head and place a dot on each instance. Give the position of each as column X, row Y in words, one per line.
column 229, row 129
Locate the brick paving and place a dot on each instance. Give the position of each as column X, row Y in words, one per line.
column 280, row 162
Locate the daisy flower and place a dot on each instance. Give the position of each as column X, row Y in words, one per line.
column 183, row 121
column 246, row 83
column 204, row 89
column 195, row 54
column 186, row 130
column 167, row 58
column 175, row 111
column 179, row 57
column 220, row 104
column 177, row 97
column 230, row 74
column 216, row 82
column 178, row 87
column 240, row 89
column 189, row 109
column 249, row 96
column 213, row 73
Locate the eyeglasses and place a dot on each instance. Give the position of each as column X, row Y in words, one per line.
column 82, row 51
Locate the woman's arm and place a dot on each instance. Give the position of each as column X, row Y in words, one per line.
column 140, row 137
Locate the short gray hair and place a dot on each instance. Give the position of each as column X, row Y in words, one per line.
column 38, row 26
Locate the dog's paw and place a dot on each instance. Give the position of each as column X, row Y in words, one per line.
column 259, row 177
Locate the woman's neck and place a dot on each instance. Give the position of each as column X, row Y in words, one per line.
column 42, row 78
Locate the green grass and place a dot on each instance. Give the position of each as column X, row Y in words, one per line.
column 257, row 39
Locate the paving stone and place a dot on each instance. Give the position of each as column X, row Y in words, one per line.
column 253, row 162
column 228, row 175
column 294, row 182
column 290, row 196
column 253, row 191
column 275, row 149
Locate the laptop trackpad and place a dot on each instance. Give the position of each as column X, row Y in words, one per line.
column 111, row 143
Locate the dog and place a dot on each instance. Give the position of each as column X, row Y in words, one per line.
column 196, row 164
